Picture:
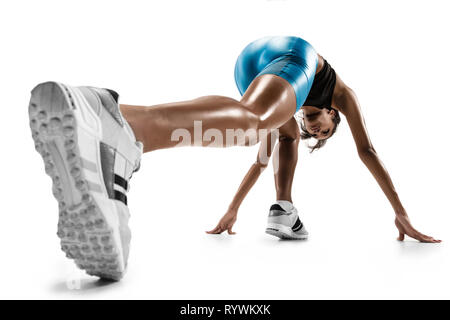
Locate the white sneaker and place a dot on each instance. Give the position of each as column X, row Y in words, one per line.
column 284, row 222
column 90, row 152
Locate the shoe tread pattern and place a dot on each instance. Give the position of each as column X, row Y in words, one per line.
column 85, row 236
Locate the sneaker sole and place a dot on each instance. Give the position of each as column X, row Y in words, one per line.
column 284, row 232
column 87, row 235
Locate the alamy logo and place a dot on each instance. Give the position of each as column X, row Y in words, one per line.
column 214, row 137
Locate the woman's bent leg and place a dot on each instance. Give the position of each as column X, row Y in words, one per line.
column 267, row 104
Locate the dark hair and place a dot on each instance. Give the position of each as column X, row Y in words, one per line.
column 304, row 134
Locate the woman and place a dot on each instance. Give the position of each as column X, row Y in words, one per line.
column 328, row 96
column 91, row 149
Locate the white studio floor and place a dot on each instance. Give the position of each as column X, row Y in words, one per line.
column 352, row 252
column 151, row 53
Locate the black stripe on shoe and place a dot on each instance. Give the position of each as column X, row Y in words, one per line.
column 298, row 225
column 114, row 94
column 120, row 196
column 120, row 181
column 276, row 206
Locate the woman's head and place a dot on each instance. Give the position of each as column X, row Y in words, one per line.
column 320, row 125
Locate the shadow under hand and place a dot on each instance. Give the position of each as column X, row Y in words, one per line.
column 413, row 247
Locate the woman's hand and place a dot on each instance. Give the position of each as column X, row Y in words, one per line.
column 226, row 223
column 404, row 227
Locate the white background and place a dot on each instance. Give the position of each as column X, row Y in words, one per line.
column 394, row 54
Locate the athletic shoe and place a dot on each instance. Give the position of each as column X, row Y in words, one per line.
column 284, row 222
column 90, row 152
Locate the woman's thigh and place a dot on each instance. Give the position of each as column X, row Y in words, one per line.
column 272, row 99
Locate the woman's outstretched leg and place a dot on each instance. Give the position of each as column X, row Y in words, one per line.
column 267, row 104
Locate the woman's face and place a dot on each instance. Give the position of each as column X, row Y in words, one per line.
column 320, row 123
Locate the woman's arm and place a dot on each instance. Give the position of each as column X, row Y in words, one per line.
column 264, row 153
column 349, row 105
column 262, row 160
